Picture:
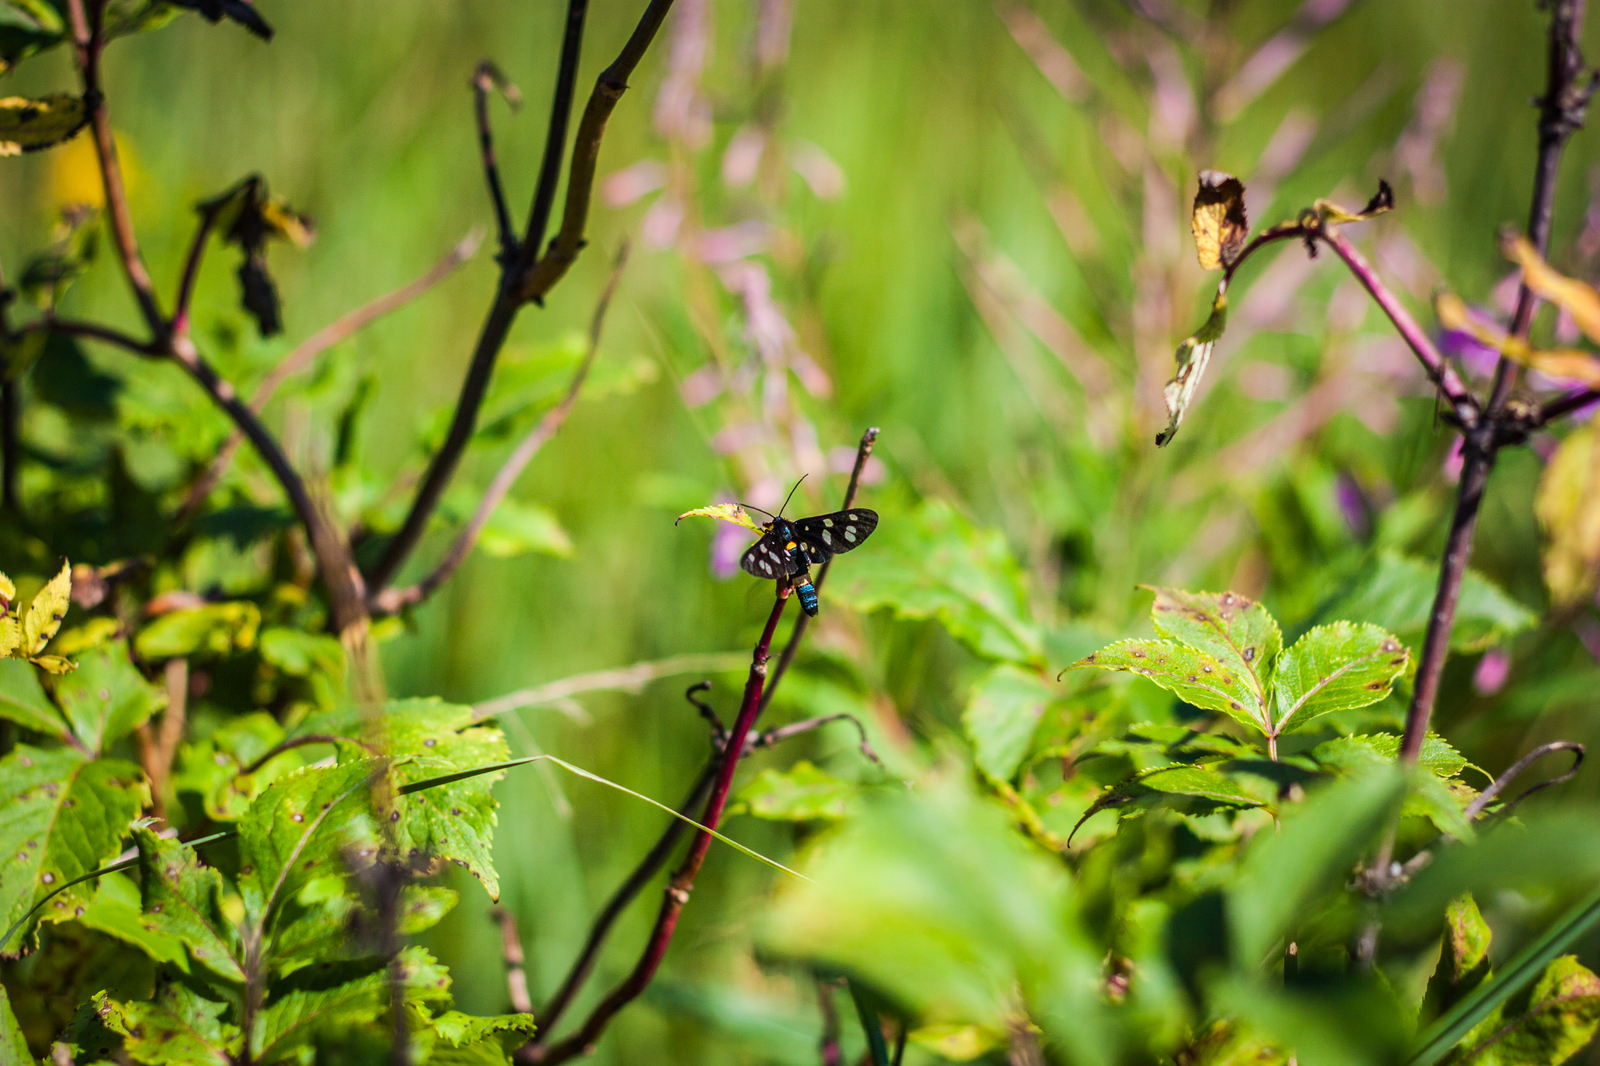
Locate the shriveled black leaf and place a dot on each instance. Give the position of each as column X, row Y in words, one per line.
column 240, row 11
column 247, row 217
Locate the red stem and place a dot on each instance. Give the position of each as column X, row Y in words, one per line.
column 682, row 882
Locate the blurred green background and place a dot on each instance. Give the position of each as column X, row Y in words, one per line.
column 991, row 232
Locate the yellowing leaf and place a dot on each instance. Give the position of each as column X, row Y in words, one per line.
column 1382, row 200
column 1193, row 356
column 47, row 610
column 27, row 124
column 8, row 592
column 1219, row 222
column 51, row 664
column 1568, row 507
column 726, row 512
column 1557, row 362
column 10, row 635
column 1580, row 301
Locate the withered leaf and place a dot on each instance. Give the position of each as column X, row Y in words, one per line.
column 240, row 11
column 1219, row 222
column 1382, row 201
column 28, row 124
column 1193, row 356
column 247, row 217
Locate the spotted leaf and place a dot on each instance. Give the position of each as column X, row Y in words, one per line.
column 1196, row 676
column 1337, row 667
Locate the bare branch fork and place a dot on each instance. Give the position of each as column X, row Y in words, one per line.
column 525, row 277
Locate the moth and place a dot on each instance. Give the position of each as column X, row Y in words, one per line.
column 787, row 549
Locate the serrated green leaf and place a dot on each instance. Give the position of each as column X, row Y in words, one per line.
column 215, row 629
column 47, row 610
column 1558, row 1019
column 294, row 829
column 1236, row 630
column 801, row 793
column 339, row 994
column 106, row 698
column 1437, row 756
column 1434, row 799
column 22, row 700
column 213, row 768
column 1196, row 677
column 933, row 563
column 1001, row 716
column 178, row 1028
column 457, row 1029
column 1336, row 667
column 1313, row 853
column 13, row 1045
column 428, row 738
column 183, row 899
column 61, row 816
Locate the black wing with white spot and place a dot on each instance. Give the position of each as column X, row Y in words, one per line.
column 766, row 558
column 830, row 534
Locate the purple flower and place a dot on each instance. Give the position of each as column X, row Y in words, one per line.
column 1493, row 669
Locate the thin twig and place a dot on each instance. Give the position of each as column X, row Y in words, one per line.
column 555, row 141
column 802, row 622
column 392, row 601
column 1565, row 405
column 778, row 734
column 511, row 949
column 518, row 287
column 629, row 678
column 191, row 267
column 307, row 350
column 682, row 881
column 89, row 41
column 485, row 79
column 301, row 742
column 94, row 331
column 1488, row 795
column 1561, row 112
column 10, row 446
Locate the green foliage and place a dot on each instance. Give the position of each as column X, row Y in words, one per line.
column 802, row 793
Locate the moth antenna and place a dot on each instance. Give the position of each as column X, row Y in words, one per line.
column 747, row 507
column 792, row 491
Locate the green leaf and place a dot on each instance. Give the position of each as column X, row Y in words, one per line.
column 294, row 651
column 13, row 1046
column 1437, row 756
column 429, row 738
column 1396, row 592
column 292, row 832
column 61, row 816
column 516, row 528
column 932, row 898
column 1557, row 1020
column 106, row 698
column 1211, row 790
column 1568, row 506
column 423, row 906
column 1336, row 667
column 1469, row 938
column 454, row 822
column 1196, row 677
column 215, row 629
column 457, row 1029
column 22, row 700
column 933, row 563
column 178, row 1028
column 1312, row 854
column 339, row 994
column 801, row 793
column 1237, row 631
column 213, row 768
column 1002, row 714
column 183, row 899
column 118, row 911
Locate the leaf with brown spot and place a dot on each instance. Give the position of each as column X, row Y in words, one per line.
column 1197, row 677
column 49, row 607
column 1235, row 629
column 1336, row 667
column 1194, row 355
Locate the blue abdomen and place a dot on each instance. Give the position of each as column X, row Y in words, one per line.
column 808, row 598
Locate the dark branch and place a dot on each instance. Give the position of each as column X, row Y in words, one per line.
column 1560, row 113
column 392, row 601
column 1488, row 795
column 484, row 81
column 516, row 288
column 191, row 267
column 555, row 141
column 10, row 446
column 803, row 621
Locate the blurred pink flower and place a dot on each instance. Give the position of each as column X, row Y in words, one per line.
column 819, row 171
column 842, row 460
column 742, row 159
column 629, row 184
column 660, row 225
column 730, row 243
column 702, row 386
column 727, row 544
column 683, row 114
column 772, row 32
column 1493, row 669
